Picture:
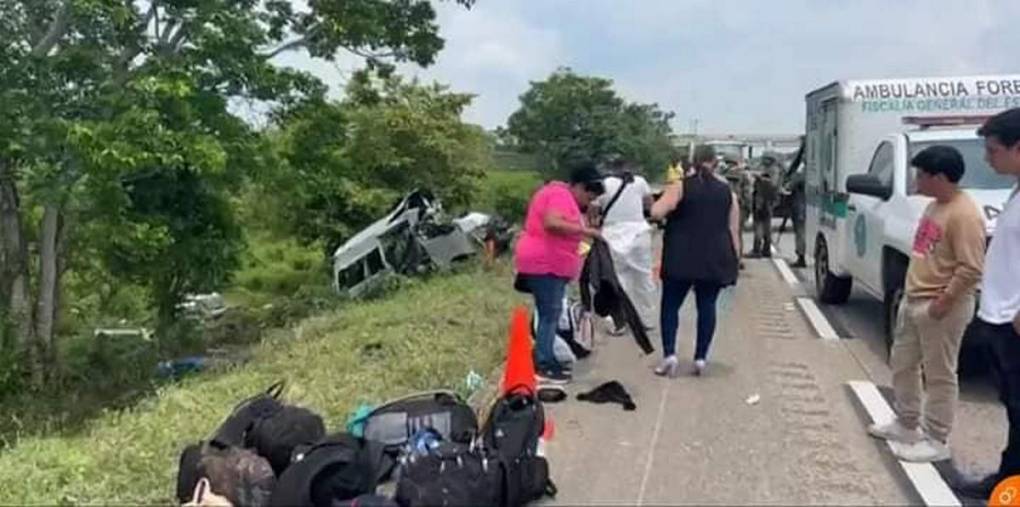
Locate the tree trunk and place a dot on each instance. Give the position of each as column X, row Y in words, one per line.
column 46, row 302
column 16, row 277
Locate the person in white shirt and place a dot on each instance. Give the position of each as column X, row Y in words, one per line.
column 998, row 319
column 629, row 235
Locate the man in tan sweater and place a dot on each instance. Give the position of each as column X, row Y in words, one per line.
column 945, row 266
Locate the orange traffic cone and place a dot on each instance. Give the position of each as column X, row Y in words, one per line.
column 519, row 372
column 520, row 366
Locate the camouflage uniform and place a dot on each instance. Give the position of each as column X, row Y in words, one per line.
column 741, row 183
column 766, row 196
column 798, row 208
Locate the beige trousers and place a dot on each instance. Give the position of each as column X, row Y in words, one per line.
column 932, row 346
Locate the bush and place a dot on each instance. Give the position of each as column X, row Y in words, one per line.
column 280, row 268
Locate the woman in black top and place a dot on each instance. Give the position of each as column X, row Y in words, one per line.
column 699, row 250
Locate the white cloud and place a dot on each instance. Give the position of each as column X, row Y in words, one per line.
column 493, row 52
column 736, row 65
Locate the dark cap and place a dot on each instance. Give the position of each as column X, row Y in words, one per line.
column 590, row 177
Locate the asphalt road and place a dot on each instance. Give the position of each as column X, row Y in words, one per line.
column 771, row 422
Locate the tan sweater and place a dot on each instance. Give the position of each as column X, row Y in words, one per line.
column 949, row 250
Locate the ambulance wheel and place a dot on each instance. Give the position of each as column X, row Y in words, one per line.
column 895, row 277
column 829, row 288
column 892, row 309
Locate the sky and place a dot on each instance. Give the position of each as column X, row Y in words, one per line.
column 722, row 66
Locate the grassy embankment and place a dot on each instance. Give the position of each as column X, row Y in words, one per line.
column 116, row 436
column 430, row 334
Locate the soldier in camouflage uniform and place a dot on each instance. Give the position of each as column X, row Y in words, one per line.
column 741, row 183
column 794, row 186
column 765, row 198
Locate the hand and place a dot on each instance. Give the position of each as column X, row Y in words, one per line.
column 938, row 308
column 1016, row 323
column 592, row 233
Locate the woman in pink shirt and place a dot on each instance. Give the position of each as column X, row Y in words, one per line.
column 546, row 257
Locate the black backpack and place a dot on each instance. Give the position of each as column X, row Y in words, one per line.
column 368, row 501
column 466, row 475
column 453, row 475
column 512, row 432
column 261, row 423
column 341, row 467
column 515, row 424
column 187, row 471
column 272, row 428
column 395, row 422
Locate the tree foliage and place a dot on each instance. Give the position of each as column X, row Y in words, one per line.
column 570, row 118
column 116, row 139
column 346, row 162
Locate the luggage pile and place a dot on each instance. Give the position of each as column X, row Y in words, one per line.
column 429, row 445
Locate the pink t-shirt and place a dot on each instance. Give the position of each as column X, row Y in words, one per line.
column 540, row 252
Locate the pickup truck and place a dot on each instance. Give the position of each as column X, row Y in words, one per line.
column 862, row 209
column 884, row 208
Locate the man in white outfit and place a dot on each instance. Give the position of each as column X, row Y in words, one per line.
column 629, row 235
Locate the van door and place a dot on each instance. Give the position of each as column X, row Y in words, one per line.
column 865, row 215
column 820, row 177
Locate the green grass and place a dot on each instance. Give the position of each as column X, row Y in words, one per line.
column 428, row 335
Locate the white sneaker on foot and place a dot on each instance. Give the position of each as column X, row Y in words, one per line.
column 926, row 450
column 895, row 432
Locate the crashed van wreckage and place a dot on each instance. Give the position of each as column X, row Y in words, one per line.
column 412, row 238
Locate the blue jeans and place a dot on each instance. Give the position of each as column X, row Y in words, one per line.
column 673, row 295
column 548, row 292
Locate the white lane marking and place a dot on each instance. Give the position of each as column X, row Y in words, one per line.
column 817, row 318
column 785, row 272
column 923, row 476
column 653, row 444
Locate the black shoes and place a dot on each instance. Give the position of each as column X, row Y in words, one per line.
column 552, row 376
column 979, row 489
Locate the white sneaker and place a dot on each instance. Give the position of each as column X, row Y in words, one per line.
column 926, row 450
column 896, row 432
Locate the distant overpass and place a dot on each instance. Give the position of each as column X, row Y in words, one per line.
column 744, row 145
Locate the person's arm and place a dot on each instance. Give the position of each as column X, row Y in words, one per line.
column 671, row 197
column 967, row 238
column 594, row 214
column 1016, row 322
column 555, row 223
column 735, row 224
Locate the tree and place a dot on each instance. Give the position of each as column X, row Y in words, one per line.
column 100, row 95
column 347, row 162
column 569, row 118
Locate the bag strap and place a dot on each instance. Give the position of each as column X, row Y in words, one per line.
column 413, row 396
column 275, row 390
column 624, row 181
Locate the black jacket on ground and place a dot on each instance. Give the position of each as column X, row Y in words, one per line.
column 609, row 298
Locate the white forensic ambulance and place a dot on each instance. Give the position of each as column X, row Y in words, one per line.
column 862, row 206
